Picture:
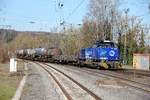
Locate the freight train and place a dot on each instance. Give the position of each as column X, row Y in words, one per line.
column 102, row 54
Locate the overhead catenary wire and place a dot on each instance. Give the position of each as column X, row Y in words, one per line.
column 74, row 10
column 143, row 15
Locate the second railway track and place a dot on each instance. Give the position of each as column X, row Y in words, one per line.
column 145, row 87
column 135, row 71
column 135, row 84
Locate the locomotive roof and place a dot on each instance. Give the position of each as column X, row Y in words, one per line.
column 104, row 43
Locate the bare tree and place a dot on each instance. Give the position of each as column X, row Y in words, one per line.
column 104, row 13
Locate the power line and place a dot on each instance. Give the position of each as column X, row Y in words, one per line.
column 142, row 15
column 77, row 7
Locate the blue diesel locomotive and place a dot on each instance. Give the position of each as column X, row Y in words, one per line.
column 104, row 54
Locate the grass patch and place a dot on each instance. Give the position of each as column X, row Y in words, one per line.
column 6, row 91
column 8, row 82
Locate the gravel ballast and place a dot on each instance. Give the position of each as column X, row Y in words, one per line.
column 40, row 86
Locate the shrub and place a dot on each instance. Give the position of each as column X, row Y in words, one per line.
column 3, row 55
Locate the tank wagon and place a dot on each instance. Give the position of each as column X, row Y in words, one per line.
column 39, row 54
column 103, row 54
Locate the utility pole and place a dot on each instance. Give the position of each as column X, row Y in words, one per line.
column 61, row 19
column 62, row 22
column 112, row 25
column 125, row 38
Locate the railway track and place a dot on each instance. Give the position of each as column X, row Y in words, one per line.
column 135, row 84
column 131, row 83
column 47, row 68
column 137, row 72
